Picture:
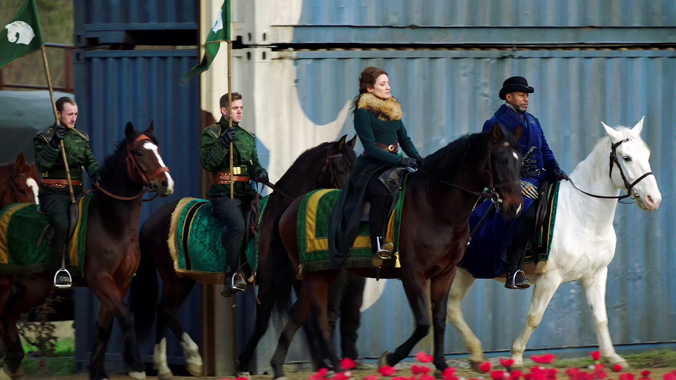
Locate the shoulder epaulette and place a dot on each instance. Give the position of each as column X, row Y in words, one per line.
column 214, row 129
column 82, row 134
column 46, row 133
column 247, row 131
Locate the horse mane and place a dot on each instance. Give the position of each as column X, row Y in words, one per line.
column 299, row 166
column 449, row 158
column 108, row 167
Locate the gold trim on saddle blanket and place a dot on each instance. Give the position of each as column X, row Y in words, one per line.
column 315, row 244
column 4, row 224
column 72, row 244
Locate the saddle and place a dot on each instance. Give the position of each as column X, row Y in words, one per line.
column 73, row 215
column 393, row 180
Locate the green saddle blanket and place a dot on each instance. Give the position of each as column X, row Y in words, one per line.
column 24, row 249
column 195, row 241
column 314, row 213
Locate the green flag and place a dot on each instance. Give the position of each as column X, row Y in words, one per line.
column 22, row 35
column 219, row 32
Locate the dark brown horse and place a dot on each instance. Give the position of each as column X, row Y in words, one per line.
column 326, row 166
column 112, row 254
column 19, row 182
column 433, row 237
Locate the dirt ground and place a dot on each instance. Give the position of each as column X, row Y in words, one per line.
column 402, row 370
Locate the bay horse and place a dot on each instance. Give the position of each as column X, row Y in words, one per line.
column 433, row 236
column 583, row 241
column 111, row 251
column 19, row 182
column 327, row 165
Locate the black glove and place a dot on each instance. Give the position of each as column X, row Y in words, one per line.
column 560, row 174
column 408, row 162
column 261, row 176
column 96, row 177
column 59, row 134
column 228, row 136
column 418, row 160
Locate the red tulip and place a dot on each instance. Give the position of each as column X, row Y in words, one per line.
column 617, row 368
column 373, row 377
column 423, row 357
column 645, row 373
column 596, row 355
column 515, row 375
column 424, row 377
column 242, row 378
column 498, row 375
column 418, row 369
column 506, row 362
column 669, row 376
column 342, row 375
column 485, row 366
column 448, row 372
column 386, row 370
column 626, row 376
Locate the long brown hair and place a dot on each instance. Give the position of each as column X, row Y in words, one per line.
column 367, row 78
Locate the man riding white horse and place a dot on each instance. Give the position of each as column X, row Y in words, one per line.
column 539, row 166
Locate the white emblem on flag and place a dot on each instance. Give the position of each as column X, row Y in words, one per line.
column 19, row 32
column 218, row 24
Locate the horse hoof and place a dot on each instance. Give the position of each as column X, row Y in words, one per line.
column 382, row 360
column 194, row 369
column 137, row 375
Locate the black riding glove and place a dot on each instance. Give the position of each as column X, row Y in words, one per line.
column 96, row 177
column 228, row 136
column 262, row 176
column 418, row 160
column 560, row 175
column 408, row 162
column 59, row 134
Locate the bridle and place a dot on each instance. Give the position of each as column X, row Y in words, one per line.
column 328, row 168
column 133, row 164
column 11, row 182
column 629, row 186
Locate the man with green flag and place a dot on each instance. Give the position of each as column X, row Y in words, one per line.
column 220, row 32
column 22, row 35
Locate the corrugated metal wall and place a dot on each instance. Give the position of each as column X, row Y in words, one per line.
column 113, row 88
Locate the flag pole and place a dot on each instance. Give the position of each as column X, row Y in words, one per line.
column 56, row 118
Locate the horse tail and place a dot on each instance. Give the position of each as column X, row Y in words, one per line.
column 284, row 279
column 144, row 290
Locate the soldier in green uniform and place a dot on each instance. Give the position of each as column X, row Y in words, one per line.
column 55, row 195
column 215, row 157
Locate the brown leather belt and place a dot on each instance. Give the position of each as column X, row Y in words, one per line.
column 223, row 178
column 392, row 148
column 59, row 183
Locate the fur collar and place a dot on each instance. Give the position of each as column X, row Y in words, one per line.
column 387, row 110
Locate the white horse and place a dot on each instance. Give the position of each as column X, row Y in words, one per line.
column 584, row 239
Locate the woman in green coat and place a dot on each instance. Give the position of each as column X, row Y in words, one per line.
column 377, row 120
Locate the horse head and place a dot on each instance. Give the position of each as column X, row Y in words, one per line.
column 339, row 163
column 21, row 182
column 504, row 168
column 631, row 156
column 144, row 162
column 19, row 32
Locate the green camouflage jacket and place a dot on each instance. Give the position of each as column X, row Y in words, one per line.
column 49, row 161
column 215, row 157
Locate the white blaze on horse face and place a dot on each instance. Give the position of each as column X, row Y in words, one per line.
column 33, row 185
column 170, row 181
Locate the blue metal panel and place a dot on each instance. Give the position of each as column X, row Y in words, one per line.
column 485, row 22
column 446, row 94
column 144, row 87
column 109, row 20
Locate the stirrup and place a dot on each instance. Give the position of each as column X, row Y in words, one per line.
column 384, row 250
column 60, row 273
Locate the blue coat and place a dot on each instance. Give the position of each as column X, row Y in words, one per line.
column 486, row 256
column 532, row 135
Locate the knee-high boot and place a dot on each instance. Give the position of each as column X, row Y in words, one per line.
column 516, row 279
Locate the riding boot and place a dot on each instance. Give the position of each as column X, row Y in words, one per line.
column 382, row 249
column 234, row 279
column 516, row 279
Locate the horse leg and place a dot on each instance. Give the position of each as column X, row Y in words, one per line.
column 459, row 288
column 439, row 288
column 104, row 327
column 263, row 313
column 595, row 290
column 415, row 293
column 545, row 286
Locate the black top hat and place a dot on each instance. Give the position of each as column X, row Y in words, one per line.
column 513, row 84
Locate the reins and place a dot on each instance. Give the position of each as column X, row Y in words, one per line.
column 628, row 186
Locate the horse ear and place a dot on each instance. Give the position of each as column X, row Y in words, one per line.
column 353, row 142
column 129, row 131
column 341, row 143
column 638, row 127
column 151, row 127
column 518, row 133
column 497, row 132
column 612, row 133
column 20, row 160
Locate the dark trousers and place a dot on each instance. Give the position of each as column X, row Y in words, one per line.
column 231, row 213
column 381, row 200
column 524, row 231
column 346, row 293
column 56, row 205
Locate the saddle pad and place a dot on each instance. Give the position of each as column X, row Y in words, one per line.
column 313, row 230
column 21, row 230
column 195, row 241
